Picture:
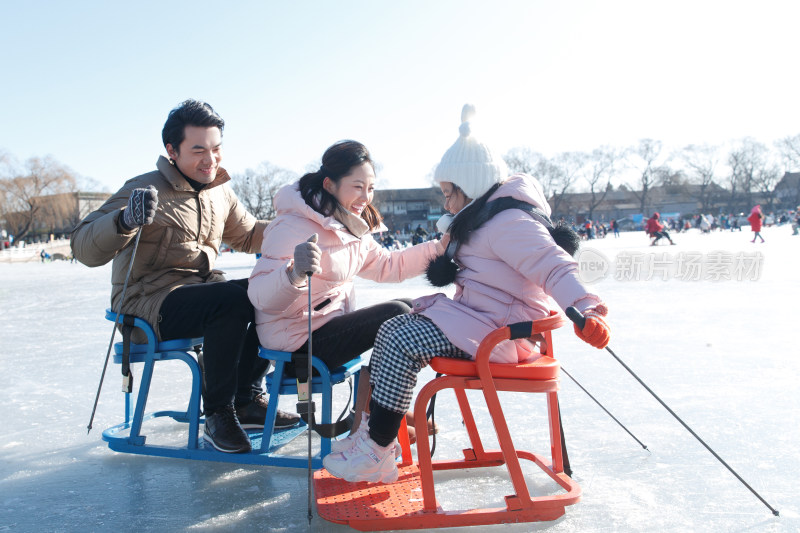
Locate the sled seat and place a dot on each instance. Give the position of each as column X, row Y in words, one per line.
column 279, row 383
column 410, row 502
column 132, row 441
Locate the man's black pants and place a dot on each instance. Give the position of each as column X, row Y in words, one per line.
column 222, row 314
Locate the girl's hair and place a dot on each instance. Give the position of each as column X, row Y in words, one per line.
column 337, row 162
column 462, row 225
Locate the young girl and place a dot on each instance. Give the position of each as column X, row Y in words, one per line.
column 508, row 266
column 330, row 214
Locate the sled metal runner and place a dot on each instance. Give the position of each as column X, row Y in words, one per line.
column 128, row 436
column 410, row 502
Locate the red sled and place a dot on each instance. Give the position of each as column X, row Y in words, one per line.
column 410, row 502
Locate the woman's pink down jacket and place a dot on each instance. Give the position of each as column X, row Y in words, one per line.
column 510, row 269
column 281, row 309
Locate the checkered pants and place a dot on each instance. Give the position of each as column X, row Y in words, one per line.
column 405, row 345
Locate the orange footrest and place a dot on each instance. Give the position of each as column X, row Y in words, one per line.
column 342, row 502
column 376, row 506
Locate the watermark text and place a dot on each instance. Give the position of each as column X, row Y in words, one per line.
column 682, row 266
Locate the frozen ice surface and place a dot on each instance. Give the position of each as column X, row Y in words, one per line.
column 722, row 354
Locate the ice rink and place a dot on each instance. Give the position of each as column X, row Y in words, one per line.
column 708, row 324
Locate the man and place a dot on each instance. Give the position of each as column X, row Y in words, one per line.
column 185, row 210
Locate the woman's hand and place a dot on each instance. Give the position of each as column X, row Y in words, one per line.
column 306, row 260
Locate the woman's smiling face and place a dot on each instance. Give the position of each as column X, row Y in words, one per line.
column 355, row 190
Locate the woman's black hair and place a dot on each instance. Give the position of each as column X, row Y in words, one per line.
column 337, row 162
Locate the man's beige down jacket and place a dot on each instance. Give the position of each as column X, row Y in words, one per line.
column 178, row 248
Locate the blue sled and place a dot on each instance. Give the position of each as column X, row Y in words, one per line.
column 127, row 437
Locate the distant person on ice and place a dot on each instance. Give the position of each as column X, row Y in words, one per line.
column 185, row 210
column 510, row 266
column 655, row 229
column 615, row 227
column 705, row 225
column 420, row 234
column 756, row 218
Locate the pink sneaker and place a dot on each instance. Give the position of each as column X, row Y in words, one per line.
column 364, row 461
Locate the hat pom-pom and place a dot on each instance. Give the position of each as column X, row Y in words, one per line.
column 467, row 114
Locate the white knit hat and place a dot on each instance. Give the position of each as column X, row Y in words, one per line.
column 470, row 164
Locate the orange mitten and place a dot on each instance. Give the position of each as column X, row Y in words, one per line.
column 595, row 331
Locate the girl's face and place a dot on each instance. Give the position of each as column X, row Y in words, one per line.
column 355, row 190
column 454, row 198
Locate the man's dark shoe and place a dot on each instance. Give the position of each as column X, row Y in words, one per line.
column 223, row 432
column 252, row 415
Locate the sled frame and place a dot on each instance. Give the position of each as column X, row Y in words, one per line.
column 410, row 503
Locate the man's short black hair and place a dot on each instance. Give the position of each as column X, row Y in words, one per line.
column 189, row 113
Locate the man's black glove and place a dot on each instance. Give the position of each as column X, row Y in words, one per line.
column 141, row 208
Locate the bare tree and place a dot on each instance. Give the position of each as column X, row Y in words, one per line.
column 701, row 163
column 58, row 213
column 256, row 189
column 559, row 174
column 22, row 189
column 647, row 160
column 789, row 149
column 746, row 159
column 523, row 159
column 6, row 161
column 670, row 178
column 598, row 173
column 766, row 179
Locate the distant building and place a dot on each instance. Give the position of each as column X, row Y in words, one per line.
column 787, row 192
column 576, row 207
column 405, row 209
column 54, row 214
column 617, row 204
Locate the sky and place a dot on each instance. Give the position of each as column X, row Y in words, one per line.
column 91, row 82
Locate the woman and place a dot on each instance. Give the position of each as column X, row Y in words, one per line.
column 756, row 218
column 509, row 265
column 330, row 214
